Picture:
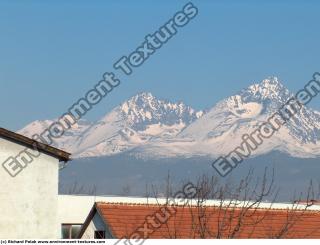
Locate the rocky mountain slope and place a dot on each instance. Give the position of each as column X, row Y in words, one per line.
column 151, row 128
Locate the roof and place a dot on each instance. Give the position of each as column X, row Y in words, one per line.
column 20, row 139
column 136, row 200
column 124, row 219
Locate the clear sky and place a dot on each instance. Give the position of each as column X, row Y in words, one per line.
column 52, row 52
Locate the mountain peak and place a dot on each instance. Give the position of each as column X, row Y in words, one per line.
column 144, row 109
column 145, row 96
column 148, row 126
column 269, row 88
column 272, row 83
column 138, row 102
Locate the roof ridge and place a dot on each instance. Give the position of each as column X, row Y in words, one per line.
column 195, row 206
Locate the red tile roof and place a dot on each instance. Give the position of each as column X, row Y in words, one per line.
column 194, row 222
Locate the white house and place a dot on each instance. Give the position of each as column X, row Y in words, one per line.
column 30, row 207
column 29, row 188
column 73, row 211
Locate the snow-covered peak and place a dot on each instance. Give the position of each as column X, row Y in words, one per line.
column 143, row 97
column 271, row 81
column 221, row 129
column 145, row 109
column 270, row 88
column 272, row 84
column 150, row 127
column 136, row 121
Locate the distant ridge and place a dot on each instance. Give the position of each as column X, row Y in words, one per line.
column 148, row 127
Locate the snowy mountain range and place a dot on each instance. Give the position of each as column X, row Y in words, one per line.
column 147, row 127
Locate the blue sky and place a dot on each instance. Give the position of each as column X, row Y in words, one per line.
column 52, row 52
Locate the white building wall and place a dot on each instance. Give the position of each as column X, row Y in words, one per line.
column 29, row 201
column 75, row 209
column 96, row 224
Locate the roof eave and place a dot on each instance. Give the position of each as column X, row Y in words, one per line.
column 63, row 156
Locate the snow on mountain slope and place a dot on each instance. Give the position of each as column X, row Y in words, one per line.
column 220, row 130
column 150, row 128
column 134, row 122
column 69, row 139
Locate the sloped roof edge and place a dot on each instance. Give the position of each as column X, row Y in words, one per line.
column 20, row 139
